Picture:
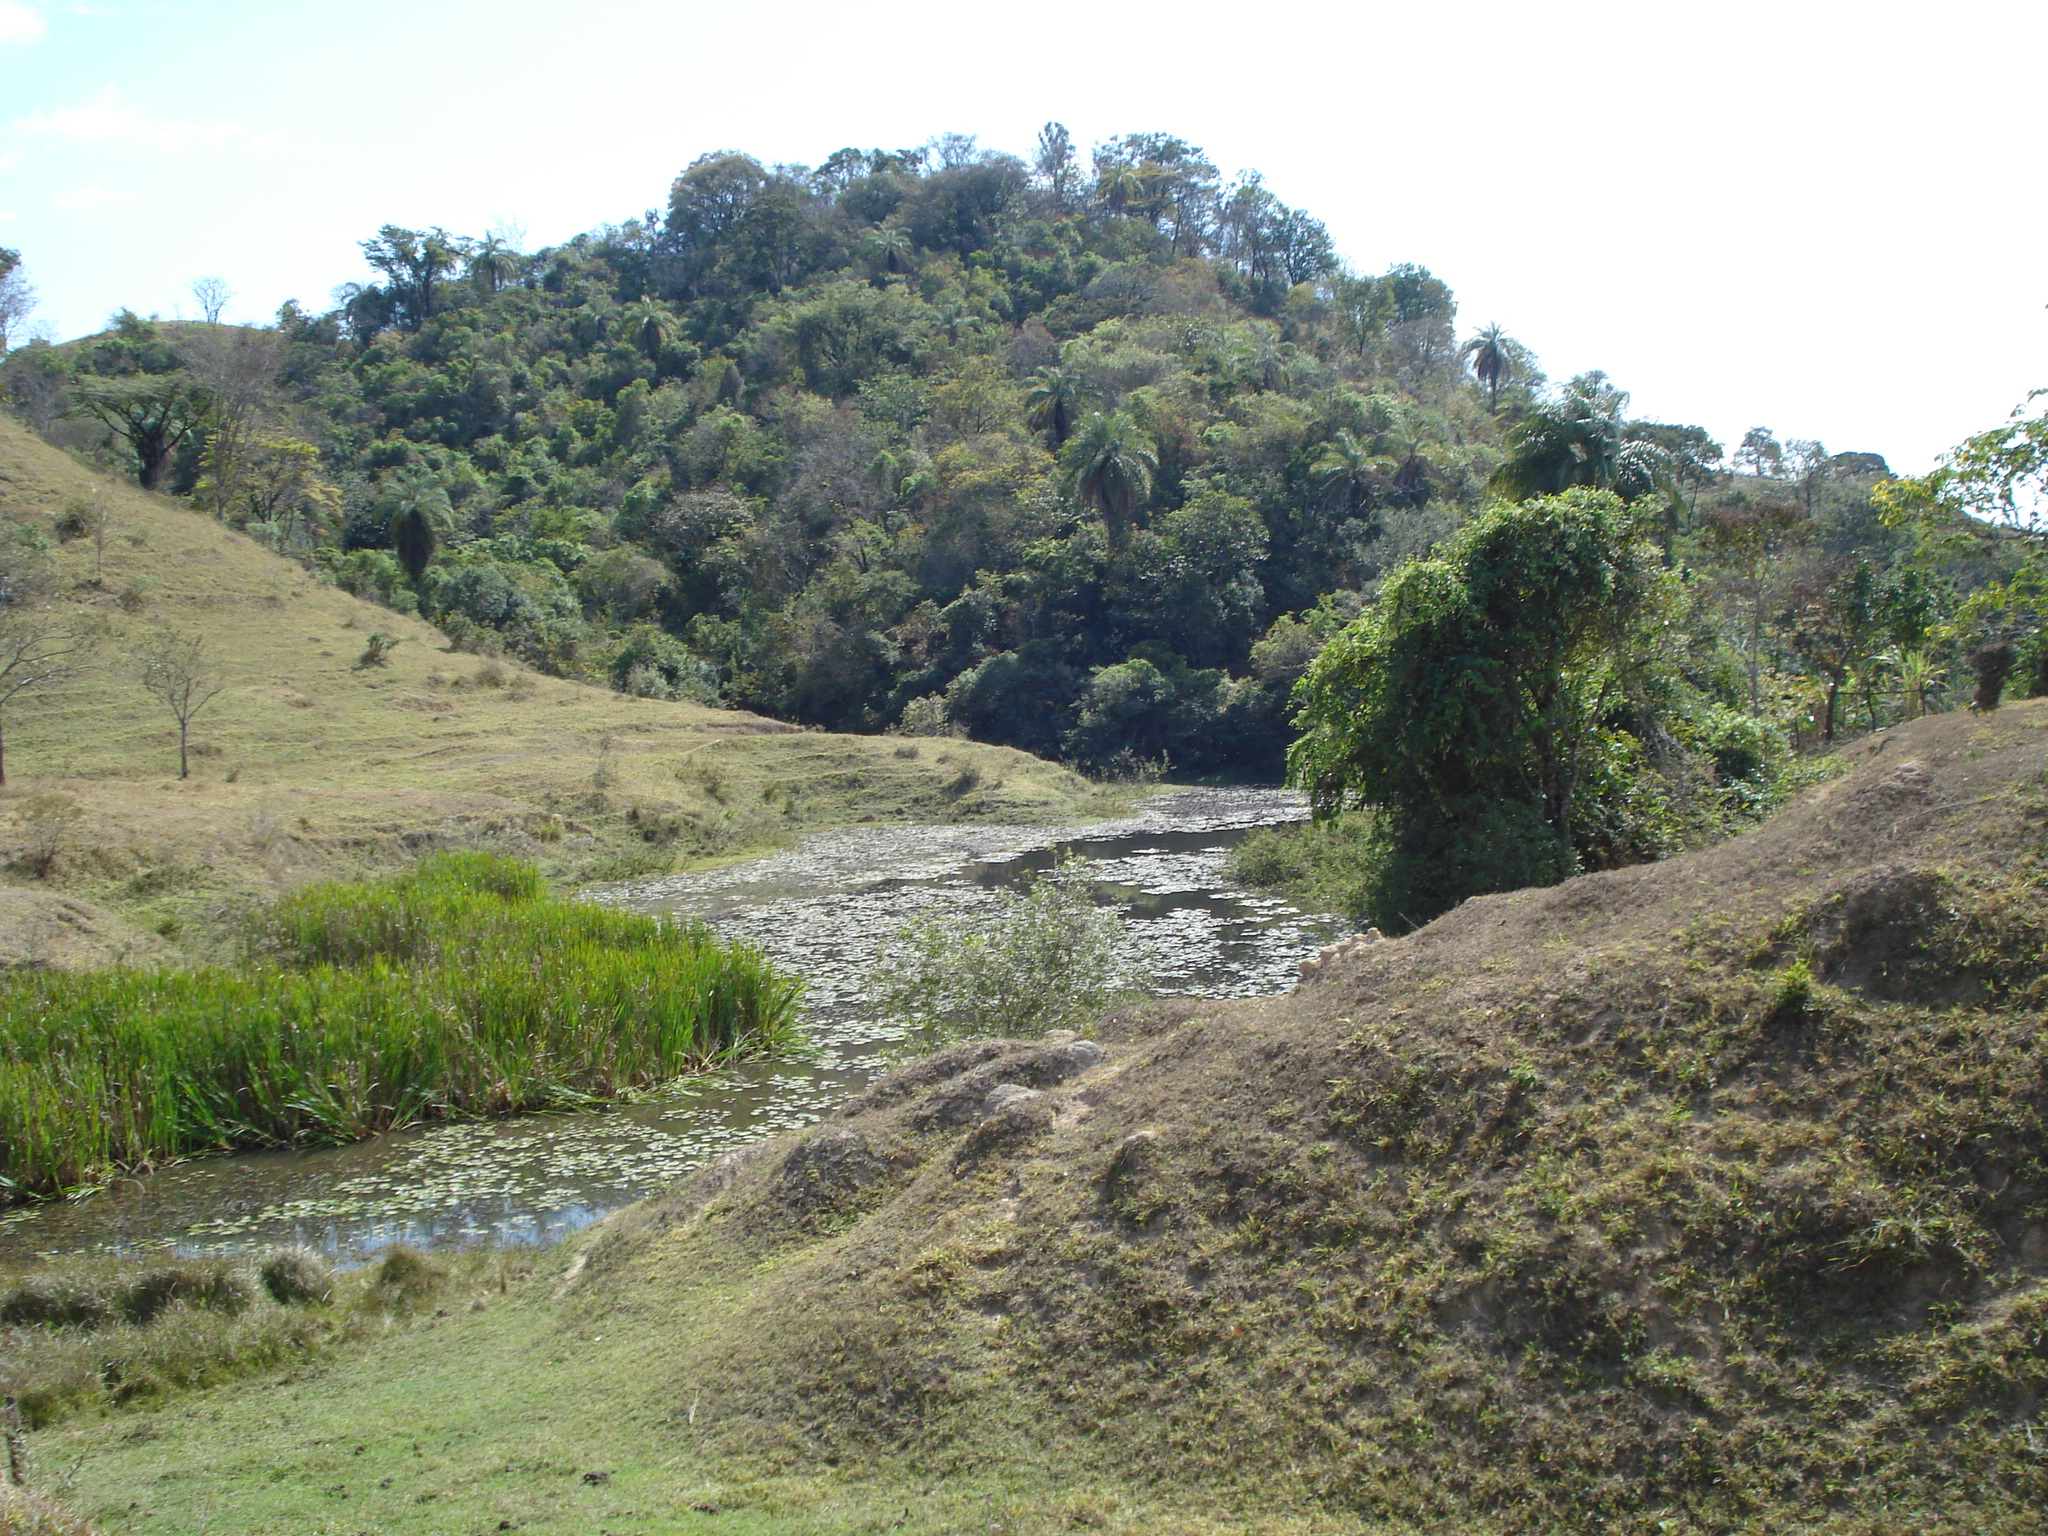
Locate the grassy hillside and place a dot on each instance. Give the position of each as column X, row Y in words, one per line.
column 1704, row 1196
column 311, row 764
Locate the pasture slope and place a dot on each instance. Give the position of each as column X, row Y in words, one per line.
column 1706, row 1196
column 312, row 765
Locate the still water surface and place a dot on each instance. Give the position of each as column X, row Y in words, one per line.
column 821, row 908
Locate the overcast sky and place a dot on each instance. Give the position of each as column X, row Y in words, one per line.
column 1825, row 218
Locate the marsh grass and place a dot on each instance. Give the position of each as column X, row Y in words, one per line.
column 1320, row 866
column 460, row 990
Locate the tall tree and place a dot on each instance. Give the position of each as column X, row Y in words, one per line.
column 1760, row 453
column 213, row 295
column 153, row 413
column 1351, row 474
column 418, row 510
column 414, row 263
column 1473, row 706
column 1490, row 357
column 1995, row 484
column 1056, row 163
column 1750, row 542
column 492, row 263
column 1109, row 464
column 17, row 299
column 1577, row 436
column 238, row 366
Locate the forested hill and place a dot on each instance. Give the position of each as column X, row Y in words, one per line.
column 1083, row 461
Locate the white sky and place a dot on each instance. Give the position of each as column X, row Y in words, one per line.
column 1822, row 217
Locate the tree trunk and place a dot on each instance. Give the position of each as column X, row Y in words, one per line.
column 184, row 760
column 3, row 756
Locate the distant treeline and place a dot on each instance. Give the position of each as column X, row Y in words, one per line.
column 1088, row 459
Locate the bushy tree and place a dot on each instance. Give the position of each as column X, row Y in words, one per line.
column 1476, row 709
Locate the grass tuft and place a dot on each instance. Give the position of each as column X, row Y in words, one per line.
column 296, row 1276
column 151, row 1330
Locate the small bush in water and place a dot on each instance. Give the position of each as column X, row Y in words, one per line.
column 1047, row 959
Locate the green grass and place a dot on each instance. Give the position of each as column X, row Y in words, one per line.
column 1320, row 866
column 487, row 1401
column 459, row 990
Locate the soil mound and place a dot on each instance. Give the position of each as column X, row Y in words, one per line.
column 1708, row 1195
column 40, row 930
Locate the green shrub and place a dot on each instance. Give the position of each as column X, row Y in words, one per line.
column 1047, row 959
column 1320, row 866
column 1494, row 705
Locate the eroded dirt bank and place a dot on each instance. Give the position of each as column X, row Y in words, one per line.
column 1710, row 1191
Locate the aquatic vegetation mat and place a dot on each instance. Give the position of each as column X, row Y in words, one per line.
column 461, row 990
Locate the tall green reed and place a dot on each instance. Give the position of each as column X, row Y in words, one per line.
column 459, row 990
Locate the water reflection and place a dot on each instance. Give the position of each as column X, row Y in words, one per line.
column 820, row 908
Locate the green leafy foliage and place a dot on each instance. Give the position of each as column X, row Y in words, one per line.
column 1494, row 705
column 1061, row 446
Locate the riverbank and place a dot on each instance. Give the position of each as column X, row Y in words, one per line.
column 820, row 909
column 316, row 762
column 1694, row 1197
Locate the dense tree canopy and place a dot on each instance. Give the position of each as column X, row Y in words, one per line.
column 1087, row 454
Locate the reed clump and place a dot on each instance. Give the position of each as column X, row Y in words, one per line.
column 460, row 990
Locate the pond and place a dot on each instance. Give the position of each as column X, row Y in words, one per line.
column 822, row 908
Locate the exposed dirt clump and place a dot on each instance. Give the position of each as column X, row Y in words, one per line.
column 1708, row 1195
column 41, row 930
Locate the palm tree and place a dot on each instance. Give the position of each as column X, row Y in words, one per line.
column 1576, row 436
column 492, row 261
column 892, row 250
column 1272, row 360
column 419, row 513
column 1109, row 464
column 1054, row 401
column 648, row 326
column 1121, row 187
column 1351, row 474
column 1492, row 355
